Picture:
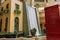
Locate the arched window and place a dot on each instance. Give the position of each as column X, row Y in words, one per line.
column 16, row 24
column 6, row 24
column 0, row 25
column 7, row 6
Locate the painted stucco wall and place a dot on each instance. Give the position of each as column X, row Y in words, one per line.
column 13, row 15
column 3, row 17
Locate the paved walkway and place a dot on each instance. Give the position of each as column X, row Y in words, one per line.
column 22, row 38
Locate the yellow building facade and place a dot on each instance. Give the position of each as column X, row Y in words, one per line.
column 13, row 16
column 8, row 18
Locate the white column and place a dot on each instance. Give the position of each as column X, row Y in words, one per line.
column 28, row 1
column 32, row 19
column 32, row 3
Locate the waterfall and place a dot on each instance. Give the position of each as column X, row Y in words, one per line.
column 32, row 19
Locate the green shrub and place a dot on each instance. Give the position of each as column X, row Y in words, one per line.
column 17, row 11
column 5, row 11
column 37, row 5
column 33, row 31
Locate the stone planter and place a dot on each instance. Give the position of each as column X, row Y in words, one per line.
column 18, row 39
column 2, row 38
column 23, row 38
column 27, row 39
column 10, row 38
column 40, row 38
column 33, row 38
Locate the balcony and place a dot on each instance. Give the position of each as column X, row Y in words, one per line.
column 17, row 11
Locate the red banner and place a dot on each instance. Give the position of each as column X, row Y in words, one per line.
column 52, row 22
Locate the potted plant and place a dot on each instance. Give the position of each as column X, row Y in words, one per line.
column 37, row 5
column 33, row 31
column 44, row 31
column 17, row 11
column 5, row 11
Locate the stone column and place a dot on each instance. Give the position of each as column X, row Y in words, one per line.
column 3, row 23
column 30, row 2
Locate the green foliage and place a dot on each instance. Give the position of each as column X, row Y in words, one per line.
column 3, row 33
column 33, row 31
column 37, row 5
column 44, row 30
column 17, row 11
column 5, row 11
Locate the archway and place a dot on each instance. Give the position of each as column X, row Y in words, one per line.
column 16, row 24
column 6, row 24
